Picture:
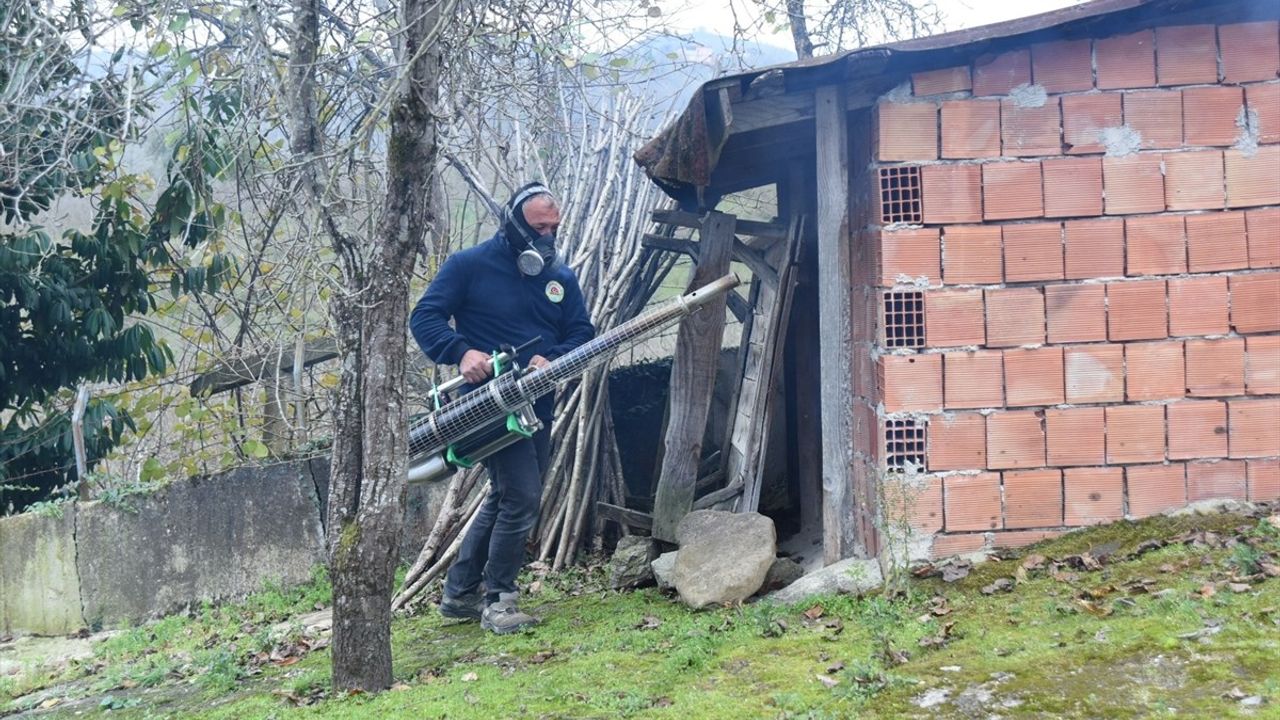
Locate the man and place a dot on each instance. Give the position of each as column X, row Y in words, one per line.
column 507, row 290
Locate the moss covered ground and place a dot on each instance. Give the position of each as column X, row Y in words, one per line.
column 1168, row 617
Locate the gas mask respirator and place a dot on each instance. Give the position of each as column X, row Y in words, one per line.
column 535, row 253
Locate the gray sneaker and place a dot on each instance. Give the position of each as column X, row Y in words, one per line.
column 463, row 607
column 504, row 617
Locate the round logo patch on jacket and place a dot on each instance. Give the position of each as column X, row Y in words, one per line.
column 555, row 291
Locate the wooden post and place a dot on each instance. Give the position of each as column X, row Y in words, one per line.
column 693, row 375
column 835, row 323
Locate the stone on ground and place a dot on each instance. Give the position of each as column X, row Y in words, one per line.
column 664, row 570
column 782, row 573
column 629, row 566
column 723, row 556
column 853, row 575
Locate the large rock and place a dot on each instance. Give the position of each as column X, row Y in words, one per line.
column 723, row 556
column 629, row 566
column 39, row 591
column 850, row 576
column 207, row 538
column 664, row 570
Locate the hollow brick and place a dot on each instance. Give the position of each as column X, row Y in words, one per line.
column 1015, row 316
column 907, row 131
column 1015, row 439
column 1032, row 251
column 1262, row 365
column 1095, row 373
column 1155, row 245
column 1136, row 310
column 1157, row 117
column 971, row 128
column 1251, row 178
column 1215, row 368
column 911, row 383
column 974, row 379
column 1063, row 65
column 962, row 544
column 1033, row 498
column 998, row 74
column 954, row 318
column 1209, row 115
column 1215, row 480
column 1126, row 61
column 1250, row 51
column 1264, row 480
column 1154, row 371
column 1197, row 429
column 1093, row 495
column 924, row 506
column 957, row 441
column 1264, row 236
column 1153, row 489
column 1133, row 184
column 1264, row 101
column 1255, row 302
column 1075, row 436
column 1186, row 55
column 1033, row 377
column 1072, row 187
column 911, row 254
column 943, row 80
column 1076, row 313
column 1094, row 248
column 1194, row 180
column 1198, row 306
column 1135, row 434
column 1011, row 190
column 972, row 502
column 1217, row 241
column 973, row 255
column 1254, row 427
column 1085, row 117
column 1022, row 538
column 951, row 194
column 1026, row 131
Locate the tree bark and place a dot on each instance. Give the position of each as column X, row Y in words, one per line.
column 799, row 29
column 370, row 315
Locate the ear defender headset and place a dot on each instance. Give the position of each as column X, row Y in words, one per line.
column 539, row 251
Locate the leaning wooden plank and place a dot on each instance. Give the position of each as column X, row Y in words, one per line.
column 633, row 519
column 693, row 373
column 752, row 422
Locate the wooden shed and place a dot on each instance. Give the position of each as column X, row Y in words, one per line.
column 1025, row 277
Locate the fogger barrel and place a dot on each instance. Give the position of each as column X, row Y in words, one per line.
column 430, row 437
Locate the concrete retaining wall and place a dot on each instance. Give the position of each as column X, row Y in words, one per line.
column 202, row 539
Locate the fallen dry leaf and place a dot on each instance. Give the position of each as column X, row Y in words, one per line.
column 1239, row 587
column 814, row 612
column 1033, row 562
column 835, row 667
column 1000, row 585
column 649, row 622
column 399, row 687
column 470, row 677
column 1094, row 608
column 541, row 656
column 827, row 681
column 1207, row 591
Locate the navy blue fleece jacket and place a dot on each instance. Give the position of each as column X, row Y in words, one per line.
column 493, row 304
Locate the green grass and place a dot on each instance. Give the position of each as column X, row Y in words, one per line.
column 1036, row 651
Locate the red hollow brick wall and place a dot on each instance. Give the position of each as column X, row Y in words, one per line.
column 1098, row 256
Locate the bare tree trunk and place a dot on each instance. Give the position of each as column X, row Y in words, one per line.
column 370, row 313
column 799, row 29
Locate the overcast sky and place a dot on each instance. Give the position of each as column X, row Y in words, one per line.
column 715, row 15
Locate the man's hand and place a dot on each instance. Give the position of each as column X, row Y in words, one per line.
column 537, row 361
column 475, row 366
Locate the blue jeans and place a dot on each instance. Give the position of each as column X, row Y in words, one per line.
column 493, row 549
